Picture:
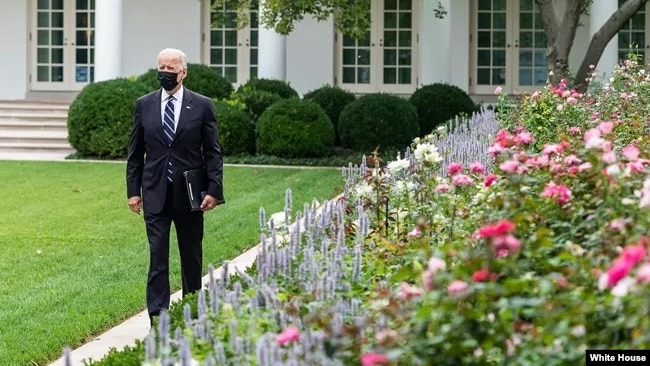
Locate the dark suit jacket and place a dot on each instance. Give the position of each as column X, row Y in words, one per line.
column 195, row 145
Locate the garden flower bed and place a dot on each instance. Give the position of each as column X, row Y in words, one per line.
column 481, row 245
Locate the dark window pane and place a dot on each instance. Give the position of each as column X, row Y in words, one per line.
column 43, row 55
column 57, row 56
column 405, row 4
column 43, row 37
column 82, row 56
column 484, row 21
column 540, row 58
column 498, row 76
column 405, row 20
column 81, row 74
column 499, row 20
column 525, row 21
column 82, row 4
column 349, row 57
column 526, row 5
column 57, row 38
column 525, row 58
column 216, row 38
column 364, row 56
column 484, row 5
column 43, row 4
column 484, row 39
column 525, row 39
column 540, row 76
column 57, row 4
column 216, row 56
column 82, row 38
column 638, row 39
column 231, row 38
column 390, row 75
column 231, row 20
column 404, row 76
column 82, row 20
column 57, row 73
column 499, row 58
column 363, row 75
column 498, row 39
column 638, row 21
column 484, row 58
column 540, row 39
column 483, row 77
column 253, row 72
column 43, row 73
column 348, row 75
column 348, row 41
column 254, row 38
column 390, row 20
column 405, row 57
column 231, row 56
column 390, row 4
column 43, row 20
column 390, row 39
column 405, row 38
column 390, row 57
column 525, row 77
column 499, row 4
column 253, row 60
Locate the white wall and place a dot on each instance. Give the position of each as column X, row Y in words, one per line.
column 435, row 44
column 13, row 49
column 459, row 14
column 310, row 55
column 151, row 25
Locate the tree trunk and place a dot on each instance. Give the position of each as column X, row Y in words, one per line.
column 600, row 40
column 559, row 35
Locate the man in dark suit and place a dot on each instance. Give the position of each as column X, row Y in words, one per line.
column 174, row 130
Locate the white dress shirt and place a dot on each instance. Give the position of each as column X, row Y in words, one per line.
column 177, row 105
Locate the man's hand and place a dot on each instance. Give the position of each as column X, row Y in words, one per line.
column 208, row 203
column 135, row 204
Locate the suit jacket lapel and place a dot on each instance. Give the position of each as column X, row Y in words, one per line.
column 156, row 105
column 185, row 112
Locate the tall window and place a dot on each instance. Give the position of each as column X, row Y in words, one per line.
column 230, row 51
column 508, row 46
column 384, row 59
column 632, row 36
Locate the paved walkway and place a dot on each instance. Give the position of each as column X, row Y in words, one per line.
column 137, row 327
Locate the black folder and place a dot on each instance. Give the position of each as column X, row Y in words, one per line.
column 197, row 186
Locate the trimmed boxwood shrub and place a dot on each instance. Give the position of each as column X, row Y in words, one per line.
column 101, row 116
column 279, row 87
column 236, row 129
column 255, row 101
column 295, row 128
column 376, row 120
column 332, row 99
column 200, row 78
column 437, row 103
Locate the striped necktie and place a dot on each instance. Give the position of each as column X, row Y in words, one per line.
column 168, row 127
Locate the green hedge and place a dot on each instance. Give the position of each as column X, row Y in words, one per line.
column 101, row 116
column 295, row 128
column 275, row 86
column 236, row 129
column 437, row 103
column 333, row 100
column 380, row 119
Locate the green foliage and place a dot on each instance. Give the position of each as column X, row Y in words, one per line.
column 100, row 117
column 279, row 87
column 236, row 129
column 378, row 120
column 200, row 78
column 333, row 100
column 255, row 101
column 295, row 127
column 437, row 103
column 128, row 356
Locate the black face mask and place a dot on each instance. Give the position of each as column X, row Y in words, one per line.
column 167, row 79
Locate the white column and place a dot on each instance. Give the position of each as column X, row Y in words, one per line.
column 108, row 39
column 459, row 15
column 600, row 11
column 272, row 53
column 435, row 36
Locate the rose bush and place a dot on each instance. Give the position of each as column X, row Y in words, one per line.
column 527, row 253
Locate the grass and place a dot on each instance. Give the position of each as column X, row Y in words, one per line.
column 74, row 258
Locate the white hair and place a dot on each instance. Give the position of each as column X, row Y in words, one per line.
column 180, row 55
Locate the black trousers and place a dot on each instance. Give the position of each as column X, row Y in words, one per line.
column 189, row 233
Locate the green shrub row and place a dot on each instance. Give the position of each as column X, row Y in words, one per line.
column 267, row 117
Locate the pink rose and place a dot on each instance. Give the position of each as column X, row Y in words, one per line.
column 631, row 152
column 606, row 127
column 454, row 168
column 476, row 168
column 462, row 180
column 643, row 273
column 374, row 359
column 489, row 180
column 457, row 288
column 509, row 166
column 408, row 292
column 288, row 335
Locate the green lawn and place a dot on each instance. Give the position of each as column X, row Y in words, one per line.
column 74, row 259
